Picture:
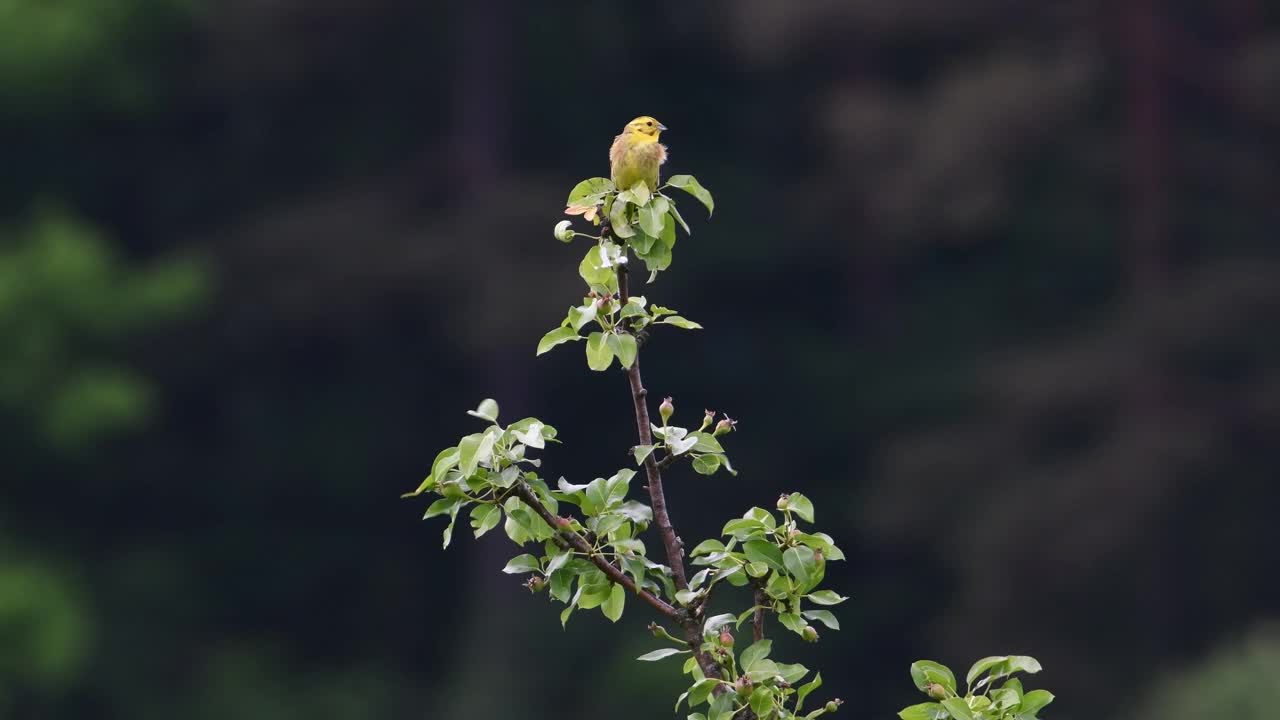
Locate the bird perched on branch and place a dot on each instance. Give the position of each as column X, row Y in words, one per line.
column 636, row 154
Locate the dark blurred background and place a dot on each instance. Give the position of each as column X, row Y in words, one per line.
column 995, row 282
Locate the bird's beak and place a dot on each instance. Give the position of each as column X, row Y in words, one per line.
column 661, row 126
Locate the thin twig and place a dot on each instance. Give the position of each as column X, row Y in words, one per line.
column 670, row 541
column 757, row 621
column 578, row 543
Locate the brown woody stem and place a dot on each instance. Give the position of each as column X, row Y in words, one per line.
column 578, row 543
column 691, row 621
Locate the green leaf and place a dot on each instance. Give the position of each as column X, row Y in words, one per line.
column 765, row 552
column 651, row 221
column 792, row 672
column 758, row 651
column 612, row 607
column 701, row 689
column 958, row 708
column 1034, row 701
column 623, row 347
column 660, row 654
column 792, row 622
column 706, row 464
column 706, row 443
column 716, row 622
column 595, row 267
column 564, row 615
column 823, row 616
column 562, row 231
column 584, row 190
column 668, row 236
column 531, row 436
column 618, row 216
column 488, row 410
column 798, row 565
column 657, row 258
column 641, row 452
column 676, row 215
column 826, row 597
column 685, row 597
column 442, row 506
column 807, row 688
column 707, row 546
column 924, row 672
column 522, row 564
column 690, row 184
column 983, row 665
column 640, row 193
column 599, row 354
column 1023, row 663
column 562, row 585
column 485, row 518
column 802, row 506
column 473, row 450
column 681, row 323
column 923, row 711
column 445, row 460
column 681, row 445
column 762, row 701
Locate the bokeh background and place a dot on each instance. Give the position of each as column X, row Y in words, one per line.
column 996, row 283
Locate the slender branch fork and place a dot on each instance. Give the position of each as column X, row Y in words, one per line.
column 691, row 622
column 578, row 543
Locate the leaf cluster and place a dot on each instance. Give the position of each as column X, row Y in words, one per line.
column 982, row 699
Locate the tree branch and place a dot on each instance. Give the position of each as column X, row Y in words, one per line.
column 577, row 543
column 670, row 541
column 691, row 621
column 757, row 621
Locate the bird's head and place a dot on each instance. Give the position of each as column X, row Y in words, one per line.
column 645, row 126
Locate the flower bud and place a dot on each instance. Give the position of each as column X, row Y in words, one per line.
column 666, row 410
column 935, row 691
column 833, row 705
column 562, row 232
column 707, row 419
column 809, row 634
column 564, row 523
column 743, row 686
column 726, row 425
column 536, row 584
column 726, row 638
column 784, row 501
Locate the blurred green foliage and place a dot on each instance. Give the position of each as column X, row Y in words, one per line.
column 1237, row 680
column 73, row 51
column 68, row 304
column 44, row 629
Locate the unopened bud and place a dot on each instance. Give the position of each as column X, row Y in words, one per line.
column 726, row 638
column 935, row 691
column 743, row 685
column 564, row 523
column 833, row 705
column 708, row 418
column 809, row 634
column 784, row 501
column 536, row 584
column 666, row 410
column 726, row 425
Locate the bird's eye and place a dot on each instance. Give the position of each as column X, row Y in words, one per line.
column 649, row 123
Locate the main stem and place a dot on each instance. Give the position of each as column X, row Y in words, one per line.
column 692, row 623
column 670, row 541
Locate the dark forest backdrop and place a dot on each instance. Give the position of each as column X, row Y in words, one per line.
column 1013, row 312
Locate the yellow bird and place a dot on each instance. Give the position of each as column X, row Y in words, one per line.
column 636, row 154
